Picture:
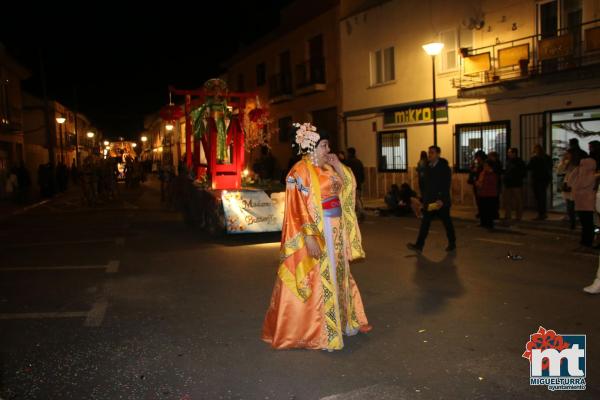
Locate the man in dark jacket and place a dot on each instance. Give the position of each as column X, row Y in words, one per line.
column 540, row 166
column 356, row 166
column 513, row 184
column 436, row 199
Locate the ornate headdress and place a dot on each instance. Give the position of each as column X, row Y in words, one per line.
column 307, row 137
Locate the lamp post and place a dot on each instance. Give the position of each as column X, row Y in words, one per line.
column 61, row 120
column 90, row 135
column 433, row 49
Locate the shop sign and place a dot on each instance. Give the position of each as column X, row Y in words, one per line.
column 415, row 114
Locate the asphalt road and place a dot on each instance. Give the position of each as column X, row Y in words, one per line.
column 126, row 302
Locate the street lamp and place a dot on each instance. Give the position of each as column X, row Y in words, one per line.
column 134, row 145
column 90, row 135
column 169, row 126
column 61, row 120
column 106, row 142
column 144, row 138
column 433, row 49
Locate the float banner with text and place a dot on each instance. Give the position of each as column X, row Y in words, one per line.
column 252, row 211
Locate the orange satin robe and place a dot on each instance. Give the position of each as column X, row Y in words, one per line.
column 315, row 302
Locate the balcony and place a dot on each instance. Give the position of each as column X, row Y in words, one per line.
column 531, row 62
column 311, row 76
column 280, row 88
column 10, row 119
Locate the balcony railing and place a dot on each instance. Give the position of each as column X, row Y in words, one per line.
column 311, row 72
column 573, row 47
column 280, row 85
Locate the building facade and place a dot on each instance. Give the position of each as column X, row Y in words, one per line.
column 295, row 72
column 11, row 113
column 64, row 138
column 510, row 75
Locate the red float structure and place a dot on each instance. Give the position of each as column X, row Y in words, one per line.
column 223, row 175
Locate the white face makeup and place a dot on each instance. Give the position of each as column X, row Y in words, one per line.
column 321, row 152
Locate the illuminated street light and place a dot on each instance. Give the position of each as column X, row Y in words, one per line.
column 169, row 126
column 90, row 134
column 133, row 144
column 433, row 49
column 61, row 120
column 144, row 138
column 106, row 143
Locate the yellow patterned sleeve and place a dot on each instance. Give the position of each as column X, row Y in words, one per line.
column 351, row 229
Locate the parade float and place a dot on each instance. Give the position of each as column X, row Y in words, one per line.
column 225, row 126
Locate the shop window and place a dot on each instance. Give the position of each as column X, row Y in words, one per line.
column 489, row 136
column 392, row 153
column 383, row 66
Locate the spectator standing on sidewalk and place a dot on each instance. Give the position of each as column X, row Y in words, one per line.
column 474, row 171
column 359, row 175
column 565, row 168
column 487, row 191
column 540, row 166
column 436, row 199
column 24, row 182
column 62, row 176
column 11, row 186
column 74, row 173
column 583, row 182
column 513, row 185
column 497, row 166
column 576, row 149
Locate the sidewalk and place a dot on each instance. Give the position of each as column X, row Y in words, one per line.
column 555, row 221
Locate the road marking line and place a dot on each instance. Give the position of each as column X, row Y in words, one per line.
column 44, row 315
column 59, row 243
column 111, row 268
column 96, row 315
column 500, row 242
column 66, row 267
column 31, row 207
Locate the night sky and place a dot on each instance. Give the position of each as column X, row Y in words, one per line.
column 120, row 60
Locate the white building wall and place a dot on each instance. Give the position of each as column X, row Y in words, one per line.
column 407, row 25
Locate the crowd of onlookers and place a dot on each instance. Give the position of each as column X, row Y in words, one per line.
column 96, row 178
column 497, row 186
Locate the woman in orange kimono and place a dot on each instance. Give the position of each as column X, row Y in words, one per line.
column 315, row 299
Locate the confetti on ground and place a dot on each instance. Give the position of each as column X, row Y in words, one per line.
column 421, row 330
column 480, row 378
